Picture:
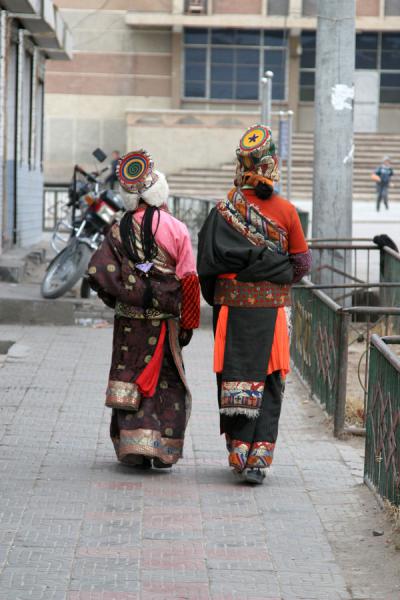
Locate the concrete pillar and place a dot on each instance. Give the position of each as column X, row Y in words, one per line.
column 176, row 67
column 333, row 132
column 295, row 8
column 3, row 71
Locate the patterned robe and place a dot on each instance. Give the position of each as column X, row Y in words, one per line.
column 147, row 388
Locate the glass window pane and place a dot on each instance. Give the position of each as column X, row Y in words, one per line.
column 392, row 8
column 307, row 94
column 367, row 41
column 391, row 41
column 195, row 72
column 366, row 59
column 278, row 92
column 390, row 60
column 195, row 55
column 246, row 91
column 274, row 58
column 247, row 57
column 274, row 38
column 222, row 55
column 390, row 79
column 390, row 95
column 247, row 37
column 307, row 59
column 195, row 89
column 278, row 7
column 196, row 36
column 308, row 40
column 307, row 78
column 247, row 74
column 223, row 36
column 310, row 8
column 223, row 91
column 221, row 73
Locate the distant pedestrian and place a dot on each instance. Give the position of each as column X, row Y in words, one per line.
column 145, row 270
column 112, row 179
column 382, row 176
column 251, row 250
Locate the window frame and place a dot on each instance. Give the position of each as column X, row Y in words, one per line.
column 209, row 46
column 379, row 69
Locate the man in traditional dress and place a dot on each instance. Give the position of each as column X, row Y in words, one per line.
column 251, row 249
column 145, row 270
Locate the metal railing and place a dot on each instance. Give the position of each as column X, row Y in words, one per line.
column 55, row 207
column 192, row 211
column 382, row 452
column 344, row 261
column 324, row 331
column 390, row 271
column 319, row 348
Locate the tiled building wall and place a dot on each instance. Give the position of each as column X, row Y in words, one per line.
column 115, row 68
column 30, row 206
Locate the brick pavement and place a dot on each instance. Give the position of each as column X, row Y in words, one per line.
column 75, row 525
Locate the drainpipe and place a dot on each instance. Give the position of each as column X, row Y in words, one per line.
column 20, row 121
column 35, row 74
column 3, row 60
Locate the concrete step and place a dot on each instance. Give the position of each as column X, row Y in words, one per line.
column 369, row 150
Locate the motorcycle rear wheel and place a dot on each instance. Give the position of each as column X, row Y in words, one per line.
column 65, row 270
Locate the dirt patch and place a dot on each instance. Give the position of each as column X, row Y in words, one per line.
column 357, row 363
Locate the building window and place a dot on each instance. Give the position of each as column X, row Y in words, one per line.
column 390, row 67
column 278, row 8
column 227, row 64
column 376, row 51
column 310, row 8
column 307, row 66
column 366, row 51
column 392, row 8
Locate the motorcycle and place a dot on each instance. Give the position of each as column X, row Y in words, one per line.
column 93, row 212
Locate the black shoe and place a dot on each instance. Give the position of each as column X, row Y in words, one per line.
column 137, row 461
column 159, row 464
column 256, row 476
column 145, row 465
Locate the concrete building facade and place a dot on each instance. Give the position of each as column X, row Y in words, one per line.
column 31, row 31
column 186, row 73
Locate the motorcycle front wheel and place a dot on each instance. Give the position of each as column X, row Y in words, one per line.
column 65, row 270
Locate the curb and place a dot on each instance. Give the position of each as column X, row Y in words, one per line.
column 21, row 311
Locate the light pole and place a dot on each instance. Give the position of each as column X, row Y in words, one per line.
column 266, row 98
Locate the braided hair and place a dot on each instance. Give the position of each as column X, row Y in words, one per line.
column 148, row 245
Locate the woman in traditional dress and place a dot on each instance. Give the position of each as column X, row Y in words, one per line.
column 251, row 249
column 145, row 270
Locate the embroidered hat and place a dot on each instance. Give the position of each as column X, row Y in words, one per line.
column 137, row 177
column 256, row 157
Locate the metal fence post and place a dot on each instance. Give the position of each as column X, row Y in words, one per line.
column 341, row 393
column 175, row 204
column 266, row 98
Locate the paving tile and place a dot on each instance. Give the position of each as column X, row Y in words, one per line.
column 76, row 525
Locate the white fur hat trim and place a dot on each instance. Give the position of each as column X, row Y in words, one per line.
column 131, row 201
column 157, row 194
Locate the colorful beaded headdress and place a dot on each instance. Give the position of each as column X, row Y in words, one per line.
column 137, row 177
column 135, row 171
column 256, row 157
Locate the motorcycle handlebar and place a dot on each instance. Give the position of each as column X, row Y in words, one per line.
column 88, row 176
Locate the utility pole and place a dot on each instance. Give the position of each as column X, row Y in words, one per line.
column 333, row 130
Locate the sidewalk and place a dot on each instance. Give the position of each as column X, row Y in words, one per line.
column 75, row 525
